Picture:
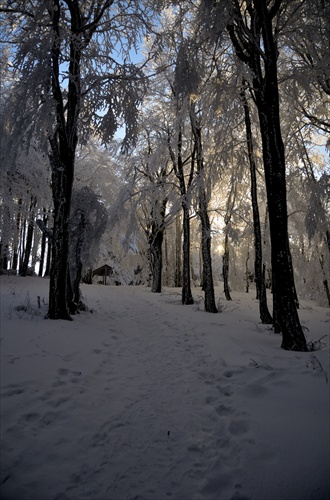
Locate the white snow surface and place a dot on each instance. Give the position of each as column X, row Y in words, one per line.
column 145, row 398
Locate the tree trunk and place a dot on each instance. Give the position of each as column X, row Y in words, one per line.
column 265, row 87
column 267, row 99
column 155, row 235
column 75, row 265
column 22, row 244
column 208, row 287
column 43, row 248
column 27, row 250
column 29, row 239
column 63, row 147
column 187, row 297
column 15, row 258
column 178, row 249
column 247, row 274
column 4, row 256
column 325, row 280
column 225, row 269
column 209, row 298
column 62, row 181
column 264, row 313
column 178, row 165
column 166, row 267
column 157, row 261
column 17, row 235
column 49, row 257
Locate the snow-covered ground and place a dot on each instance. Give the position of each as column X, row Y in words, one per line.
column 147, row 399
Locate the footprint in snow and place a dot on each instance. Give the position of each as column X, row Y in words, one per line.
column 239, row 427
column 13, row 390
column 223, row 410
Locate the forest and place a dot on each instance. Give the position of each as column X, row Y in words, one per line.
column 182, row 143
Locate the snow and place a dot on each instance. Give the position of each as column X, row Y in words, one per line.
column 147, row 399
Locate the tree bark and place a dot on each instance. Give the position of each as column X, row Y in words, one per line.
column 247, row 274
column 225, row 268
column 286, row 317
column 4, row 256
column 265, row 87
column 178, row 249
column 75, row 265
column 155, row 239
column 49, row 257
column 17, row 235
column 62, row 181
column 187, row 297
column 264, row 313
column 178, row 166
column 63, row 146
column 43, row 248
column 157, row 262
column 208, row 287
column 29, row 239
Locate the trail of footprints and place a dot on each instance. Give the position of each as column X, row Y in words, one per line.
column 52, row 398
column 237, row 436
column 229, row 425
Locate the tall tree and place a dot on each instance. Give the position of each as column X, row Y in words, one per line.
column 88, row 221
column 185, row 187
column 258, row 267
column 69, row 84
column 153, row 167
column 253, row 29
column 209, row 298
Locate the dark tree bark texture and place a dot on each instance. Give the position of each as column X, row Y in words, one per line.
column 155, row 239
column 157, row 261
column 265, row 315
column 187, row 297
column 178, row 251
column 29, row 239
column 62, row 157
column 225, row 269
column 178, row 165
column 43, row 248
column 208, row 287
column 265, row 85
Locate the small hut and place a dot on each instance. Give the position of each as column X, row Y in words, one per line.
column 103, row 271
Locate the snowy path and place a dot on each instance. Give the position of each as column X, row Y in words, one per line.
column 144, row 400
